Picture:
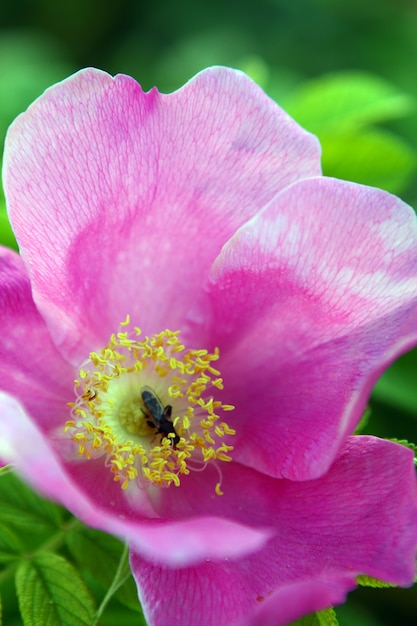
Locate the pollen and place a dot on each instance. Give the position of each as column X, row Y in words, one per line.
column 147, row 407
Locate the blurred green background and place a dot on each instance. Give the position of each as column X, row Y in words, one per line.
column 345, row 69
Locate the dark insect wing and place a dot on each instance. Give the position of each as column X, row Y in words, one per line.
column 160, row 415
column 153, row 404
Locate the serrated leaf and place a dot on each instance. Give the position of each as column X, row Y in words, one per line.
column 10, row 545
column 346, row 101
column 372, row 157
column 51, row 592
column 99, row 554
column 368, row 581
column 407, row 444
column 327, row 617
column 21, row 508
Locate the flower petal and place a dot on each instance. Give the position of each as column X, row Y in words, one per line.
column 360, row 518
column 113, row 193
column 31, row 368
column 310, row 301
column 296, row 600
column 88, row 491
column 214, row 594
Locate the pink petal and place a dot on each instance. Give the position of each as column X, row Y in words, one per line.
column 296, row 600
column 31, row 368
column 88, row 491
column 114, row 193
column 310, row 301
column 214, row 595
column 360, row 518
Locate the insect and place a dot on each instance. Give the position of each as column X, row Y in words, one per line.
column 161, row 416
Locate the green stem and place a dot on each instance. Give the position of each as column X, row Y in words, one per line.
column 120, row 577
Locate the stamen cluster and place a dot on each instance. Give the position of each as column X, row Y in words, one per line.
column 110, row 419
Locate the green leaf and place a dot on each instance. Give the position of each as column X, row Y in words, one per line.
column 364, row 421
column 397, row 385
column 354, row 613
column 255, row 66
column 368, row 581
column 7, row 237
column 51, row 593
column 23, row 509
column 327, row 617
column 99, row 555
column 372, row 157
column 406, row 444
column 29, row 63
column 6, row 469
column 10, row 545
column 121, row 616
column 346, row 101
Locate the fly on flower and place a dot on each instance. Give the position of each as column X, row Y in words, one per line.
column 278, row 296
column 160, row 416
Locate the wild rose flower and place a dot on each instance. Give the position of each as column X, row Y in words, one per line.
column 180, row 256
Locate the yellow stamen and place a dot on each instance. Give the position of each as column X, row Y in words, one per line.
column 145, row 406
column 218, row 490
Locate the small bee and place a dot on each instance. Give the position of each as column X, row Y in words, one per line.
column 160, row 415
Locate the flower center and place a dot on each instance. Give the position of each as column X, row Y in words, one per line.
column 146, row 406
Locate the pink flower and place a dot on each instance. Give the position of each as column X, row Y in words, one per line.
column 204, row 212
